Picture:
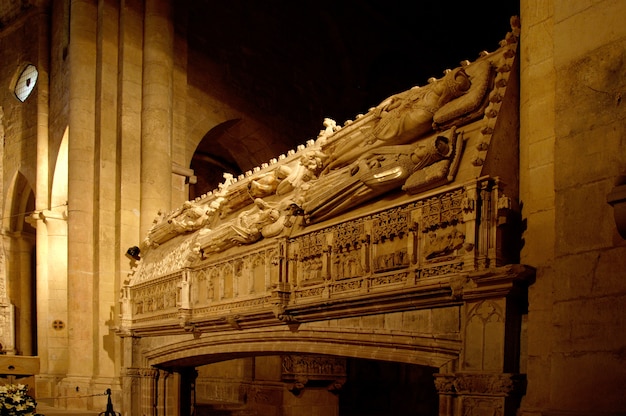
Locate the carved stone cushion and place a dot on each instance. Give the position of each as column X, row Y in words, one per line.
column 438, row 173
column 470, row 105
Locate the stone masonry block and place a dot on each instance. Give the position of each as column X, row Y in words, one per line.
column 590, row 325
column 393, row 321
column 540, row 230
column 576, row 229
column 596, row 376
column 587, row 91
column 540, row 293
column 572, row 32
column 538, row 39
column 417, row 321
column 446, row 320
column 541, row 153
column 573, row 275
column 538, row 390
column 372, row 321
column 609, row 273
column 596, row 158
column 539, row 194
column 542, row 108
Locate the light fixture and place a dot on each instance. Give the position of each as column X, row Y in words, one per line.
column 133, row 253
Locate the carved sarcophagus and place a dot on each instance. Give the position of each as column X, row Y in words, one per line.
column 396, row 207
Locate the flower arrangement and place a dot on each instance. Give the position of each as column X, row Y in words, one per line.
column 15, row 401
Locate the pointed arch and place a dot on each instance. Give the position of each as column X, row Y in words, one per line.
column 19, row 331
column 211, row 159
column 58, row 196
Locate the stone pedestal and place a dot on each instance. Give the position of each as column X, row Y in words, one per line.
column 17, row 369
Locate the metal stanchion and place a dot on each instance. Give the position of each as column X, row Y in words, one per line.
column 109, row 411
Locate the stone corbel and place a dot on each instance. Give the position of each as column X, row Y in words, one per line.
column 280, row 298
column 282, row 315
column 184, row 317
column 46, row 215
column 617, row 199
column 188, row 174
column 233, row 321
column 297, row 386
column 336, row 385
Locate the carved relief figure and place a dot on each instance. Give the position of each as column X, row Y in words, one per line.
column 266, row 185
column 189, row 217
column 248, row 227
column 330, row 127
column 442, row 245
column 401, row 118
column 192, row 216
column 309, row 165
column 374, row 173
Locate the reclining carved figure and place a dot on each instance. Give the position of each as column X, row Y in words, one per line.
column 401, row 118
column 374, row 173
column 248, row 227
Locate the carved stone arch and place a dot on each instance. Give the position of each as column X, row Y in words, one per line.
column 398, row 347
column 17, row 268
column 214, row 293
column 256, row 281
column 20, row 205
column 201, row 282
column 211, row 159
column 58, row 194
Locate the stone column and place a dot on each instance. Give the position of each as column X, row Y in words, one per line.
column 486, row 379
column 24, row 341
column 107, row 252
column 52, row 295
column 81, row 192
column 477, row 394
column 156, row 114
column 149, row 391
column 42, row 198
column 131, row 377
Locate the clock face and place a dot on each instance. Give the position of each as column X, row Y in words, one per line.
column 26, row 82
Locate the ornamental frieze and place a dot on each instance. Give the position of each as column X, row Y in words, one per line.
column 480, row 384
column 390, row 224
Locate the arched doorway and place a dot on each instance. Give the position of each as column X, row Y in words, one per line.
column 342, row 386
column 212, row 159
column 19, row 333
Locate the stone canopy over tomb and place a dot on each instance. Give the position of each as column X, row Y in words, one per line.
column 412, row 205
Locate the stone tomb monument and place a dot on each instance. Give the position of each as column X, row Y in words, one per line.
column 412, row 206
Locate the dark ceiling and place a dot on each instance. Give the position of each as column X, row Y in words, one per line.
column 295, row 62
column 315, row 59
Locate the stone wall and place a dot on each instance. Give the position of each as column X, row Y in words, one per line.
column 572, row 150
